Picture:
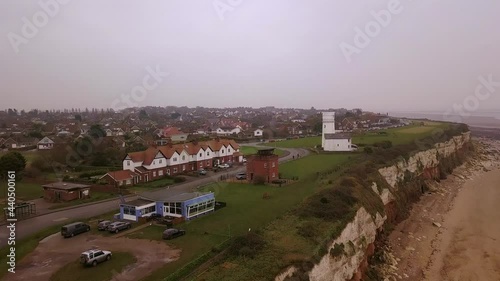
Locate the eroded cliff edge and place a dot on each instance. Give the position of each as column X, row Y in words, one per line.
column 401, row 184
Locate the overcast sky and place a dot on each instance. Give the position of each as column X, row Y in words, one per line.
column 284, row 53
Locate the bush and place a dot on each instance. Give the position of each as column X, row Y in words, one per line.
column 308, row 230
column 248, row 245
column 337, row 250
column 368, row 150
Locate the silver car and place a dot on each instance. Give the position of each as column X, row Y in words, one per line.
column 93, row 257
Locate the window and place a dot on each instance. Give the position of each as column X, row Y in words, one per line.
column 208, row 163
column 208, row 153
column 324, row 126
column 228, row 150
column 265, row 165
column 153, row 162
column 154, row 173
column 128, row 163
column 201, row 154
column 148, row 210
column 201, row 165
column 168, row 171
column 173, row 207
column 160, row 161
column 175, row 170
column 174, row 159
column 183, row 158
column 274, row 175
column 274, row 165
column 223, row 151
column 201, row 208
column 183, row 168
column 129, row 210
column 160, row 173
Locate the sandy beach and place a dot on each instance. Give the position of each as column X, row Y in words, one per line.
column 453, row 232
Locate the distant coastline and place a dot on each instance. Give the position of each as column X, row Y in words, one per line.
column 483, row 120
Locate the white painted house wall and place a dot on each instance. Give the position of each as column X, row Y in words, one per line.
column 338, row 145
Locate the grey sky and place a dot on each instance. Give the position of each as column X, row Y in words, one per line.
column 282, row 52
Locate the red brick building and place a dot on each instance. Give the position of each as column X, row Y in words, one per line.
column 65, row 191
column 263, row 166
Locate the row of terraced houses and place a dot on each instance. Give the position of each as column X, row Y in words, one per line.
column 172, row 159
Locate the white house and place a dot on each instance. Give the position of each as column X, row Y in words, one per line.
column 45, row 143
column 258, row 133
column 332, row 141
column 227, row 131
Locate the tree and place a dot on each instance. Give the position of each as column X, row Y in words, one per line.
column 78, row 117
column 96, row 132
column 12, row 161
column 143, row 114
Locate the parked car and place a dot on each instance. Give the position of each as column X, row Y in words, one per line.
column 93, row 257
column 244, row 160
column 166, row 221
column 103, row 225
column 241, row 176
column 202, row 172
column 172, row 233
column 73, row 229
column 223, row 166
column 119, row 226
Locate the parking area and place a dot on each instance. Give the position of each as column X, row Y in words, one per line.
column 54, row 252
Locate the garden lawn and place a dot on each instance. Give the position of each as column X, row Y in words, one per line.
column 151, row 185
column 247, row 150
column 103, row 272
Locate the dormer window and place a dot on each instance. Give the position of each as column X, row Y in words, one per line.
column 223, row 151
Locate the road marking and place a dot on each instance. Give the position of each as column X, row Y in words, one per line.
column 60, row 219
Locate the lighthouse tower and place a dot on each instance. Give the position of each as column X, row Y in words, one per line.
column 328, row 125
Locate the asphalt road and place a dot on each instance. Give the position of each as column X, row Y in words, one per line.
column 27, row 227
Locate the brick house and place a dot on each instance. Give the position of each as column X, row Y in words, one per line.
column 172, row 159
column 263, row 166
column 64, row 191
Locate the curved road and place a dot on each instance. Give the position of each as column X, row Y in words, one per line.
column 27, row 227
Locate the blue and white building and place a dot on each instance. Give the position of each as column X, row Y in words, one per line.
column 185, row 205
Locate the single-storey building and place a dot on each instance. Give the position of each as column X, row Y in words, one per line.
column 121, row 178
column 65, row 191
column 186, row 205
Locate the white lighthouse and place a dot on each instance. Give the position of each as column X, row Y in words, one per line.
column 330, row 141
column 328, row 125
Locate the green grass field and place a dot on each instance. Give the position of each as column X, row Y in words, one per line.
column 25, row 191
column 102, row 272
column 247, row 150
column 401, row 135
column 309, row 165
